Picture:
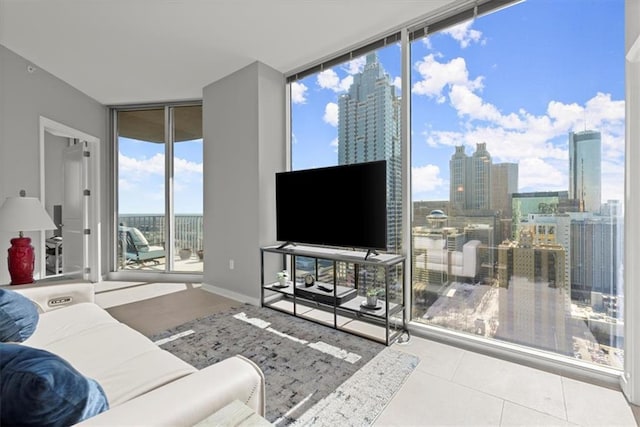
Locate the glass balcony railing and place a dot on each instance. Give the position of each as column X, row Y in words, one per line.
column 141, row 242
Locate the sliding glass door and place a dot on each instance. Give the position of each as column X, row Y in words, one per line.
column 159, row 189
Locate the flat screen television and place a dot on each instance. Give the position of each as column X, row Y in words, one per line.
column 344, row 206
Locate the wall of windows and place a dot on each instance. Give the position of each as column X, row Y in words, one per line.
column 159, row 189
column 517, row 152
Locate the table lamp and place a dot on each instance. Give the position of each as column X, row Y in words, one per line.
column 23, row 214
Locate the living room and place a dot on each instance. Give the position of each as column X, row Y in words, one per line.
column 244, row 110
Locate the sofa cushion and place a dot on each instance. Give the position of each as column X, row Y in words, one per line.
column 18, row 316
column 125, row 362
column 57, row 325
column 41, row 389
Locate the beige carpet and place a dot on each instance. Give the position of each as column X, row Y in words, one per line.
column 155, row 315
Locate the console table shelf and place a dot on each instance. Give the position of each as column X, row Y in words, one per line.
column 336, row 296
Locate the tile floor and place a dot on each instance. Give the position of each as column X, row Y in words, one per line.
column 450, row 386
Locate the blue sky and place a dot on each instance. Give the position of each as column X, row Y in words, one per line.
column 519, row 79
column 141, row 177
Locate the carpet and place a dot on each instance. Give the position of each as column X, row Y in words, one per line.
column 304, row 363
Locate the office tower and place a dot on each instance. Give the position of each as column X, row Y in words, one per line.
column 458, row 179
column 470, row 179
column 369, row 129
column 594, row 259
column 541, row 202
column 532, row 296
column 584, row 169
column 504, row 182
column 480, row 178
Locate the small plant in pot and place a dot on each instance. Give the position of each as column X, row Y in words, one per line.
column 282, row 277
column 372, row 296
column 185, row 253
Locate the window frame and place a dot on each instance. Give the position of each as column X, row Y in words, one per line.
column 529, row 356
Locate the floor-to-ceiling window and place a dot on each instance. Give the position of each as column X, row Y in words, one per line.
column 350, row 113
column 518, row 175
column 159, row 188
column 517, row 170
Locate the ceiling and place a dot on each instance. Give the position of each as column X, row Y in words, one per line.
column 138, row 51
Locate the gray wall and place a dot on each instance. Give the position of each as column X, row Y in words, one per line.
column 244, row 145
column 24, row 97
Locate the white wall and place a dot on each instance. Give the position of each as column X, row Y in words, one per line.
column 244, row 145
column 24, row 97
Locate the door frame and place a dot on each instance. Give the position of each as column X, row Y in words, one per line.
column 93, row 143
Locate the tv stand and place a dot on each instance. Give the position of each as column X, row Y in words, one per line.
column 285, row 244
column 371, row 251
column 337, row 296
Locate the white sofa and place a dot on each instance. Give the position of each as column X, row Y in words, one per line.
column 144, row 384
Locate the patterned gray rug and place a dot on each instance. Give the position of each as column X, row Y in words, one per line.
column 304, row 363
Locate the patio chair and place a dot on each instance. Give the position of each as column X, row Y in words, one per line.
column 138, row 249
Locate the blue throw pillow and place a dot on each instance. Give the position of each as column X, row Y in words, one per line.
column 18, row 316
column 39, row 388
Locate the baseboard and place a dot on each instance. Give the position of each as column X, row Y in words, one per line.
column 230, row 294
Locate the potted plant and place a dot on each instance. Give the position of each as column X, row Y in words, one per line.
column 185, row 253
column 282, row 278
column 200, row 254
column 372, row 296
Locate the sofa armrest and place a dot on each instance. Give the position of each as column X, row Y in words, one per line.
column 192, row 398
column 56, row 294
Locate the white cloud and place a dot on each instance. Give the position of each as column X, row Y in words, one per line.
column 397, row 82
column 425, row 178
column 137, row 168
column 535, row 173
column 355, row 66
column 329, row 79
column 520, row 133
column 141, row 169
column 331, row 114
column 334, row 144
column 437, row 76
column 298, row 93
column 464, row 34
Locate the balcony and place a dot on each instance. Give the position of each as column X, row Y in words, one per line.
column 141, row 244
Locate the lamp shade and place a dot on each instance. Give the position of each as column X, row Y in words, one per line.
column 24, row 214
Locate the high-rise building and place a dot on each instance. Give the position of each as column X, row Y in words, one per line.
column 470, row 179
column 504, row 182
column 594, row 259
column 532, row 294
column 584, row 169
column 526, row 204
column 369, row 129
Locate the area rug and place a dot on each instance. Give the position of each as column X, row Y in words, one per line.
column 303, row 362
column 360, row 399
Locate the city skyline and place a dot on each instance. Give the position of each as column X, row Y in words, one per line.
column 502, row 80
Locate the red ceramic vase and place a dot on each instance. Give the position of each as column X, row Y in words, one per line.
column 21, row 261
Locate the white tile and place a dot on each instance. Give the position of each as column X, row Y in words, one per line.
column 525, row 386
column 435, row 358
column 515, row 415
column 429, row 400
column 591, row 405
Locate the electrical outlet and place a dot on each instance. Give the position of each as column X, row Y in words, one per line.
column 232, row 264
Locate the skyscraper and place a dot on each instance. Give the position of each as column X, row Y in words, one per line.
column 369, row 129
column 584, row 169
column 504, row 182
column 470, row 179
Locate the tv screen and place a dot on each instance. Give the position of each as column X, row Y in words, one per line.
column 342, row 206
